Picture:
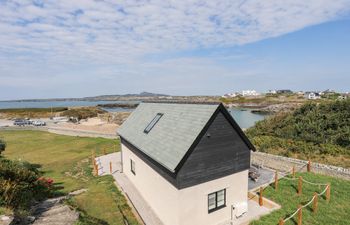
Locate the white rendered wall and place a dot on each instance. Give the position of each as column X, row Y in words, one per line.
column 188, row 206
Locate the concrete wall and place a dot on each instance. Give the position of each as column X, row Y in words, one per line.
column 188, row 206
column 285, row 164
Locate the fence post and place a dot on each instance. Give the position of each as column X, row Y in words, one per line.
column 261, row 201
column 309, row 166
column 93, row 160
column 95, row 168
column 276, row 180
column 300, row 215
column 281, row 222
column 314, row 208
column 293, row 171
column 110, row 167
column 300, row 185
column 328, row 192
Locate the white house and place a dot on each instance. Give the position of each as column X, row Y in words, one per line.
column 250, row 93
column 188, row 161
column 230, row 95
column 312, row 95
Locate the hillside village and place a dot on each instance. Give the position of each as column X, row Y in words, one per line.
column 311, row 95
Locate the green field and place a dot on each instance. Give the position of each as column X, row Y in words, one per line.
column 67, row 160
column 336, row 212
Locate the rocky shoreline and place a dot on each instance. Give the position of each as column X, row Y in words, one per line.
column 263, row 108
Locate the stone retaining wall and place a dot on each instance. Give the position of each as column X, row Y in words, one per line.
column 285, row 164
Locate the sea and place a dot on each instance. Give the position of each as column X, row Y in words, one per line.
column 244, row 117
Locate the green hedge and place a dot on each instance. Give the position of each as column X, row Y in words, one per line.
column 324, row 123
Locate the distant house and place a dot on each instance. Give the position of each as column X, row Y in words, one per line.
column 284, row 91
column 250, row 93
column 271, row 92
column 230, row 95
column 189, row 161
column 327, row 92
column 312, row 95
column 344, row 96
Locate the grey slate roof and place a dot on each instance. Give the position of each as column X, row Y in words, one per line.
column 170, row 139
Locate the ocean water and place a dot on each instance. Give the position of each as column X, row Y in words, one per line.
column 244, row 118
column 49, row 104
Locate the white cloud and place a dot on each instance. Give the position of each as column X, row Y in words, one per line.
column 80, row 32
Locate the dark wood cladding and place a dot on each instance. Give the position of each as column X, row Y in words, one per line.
column 220, row 152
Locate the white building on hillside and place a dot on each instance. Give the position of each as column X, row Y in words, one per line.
column 250, row 93
column 230, row 95
column 312, row 95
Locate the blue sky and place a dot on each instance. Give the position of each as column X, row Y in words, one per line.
column 86, row 48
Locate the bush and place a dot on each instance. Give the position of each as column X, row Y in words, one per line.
column 2, row 146
column 324, row 123
column 20, row 184
column 83, row 113
column 287, row 146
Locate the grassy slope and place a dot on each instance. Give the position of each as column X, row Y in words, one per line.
column 335, row 212
column 67, row 160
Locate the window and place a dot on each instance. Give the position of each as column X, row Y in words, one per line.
column 153, row 122
column 216, row 200
column 132, row 166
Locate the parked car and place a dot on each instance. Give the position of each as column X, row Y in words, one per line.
column 39, row 123
column 19, row 122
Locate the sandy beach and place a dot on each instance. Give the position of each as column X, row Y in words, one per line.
column 91, row 125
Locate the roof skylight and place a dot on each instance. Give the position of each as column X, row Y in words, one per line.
column 153, row 123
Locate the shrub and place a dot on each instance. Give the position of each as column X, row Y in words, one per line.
column 83, row 113
column 324, row 123
column 20, row 184
column 2, row 146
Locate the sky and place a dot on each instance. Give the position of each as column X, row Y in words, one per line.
column 65, row 48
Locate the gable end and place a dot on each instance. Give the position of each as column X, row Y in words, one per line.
column 233, row 123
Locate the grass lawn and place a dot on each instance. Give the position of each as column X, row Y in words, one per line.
column 67, row 160
column 337, row 211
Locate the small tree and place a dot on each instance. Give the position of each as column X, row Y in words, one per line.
column 2, row 146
